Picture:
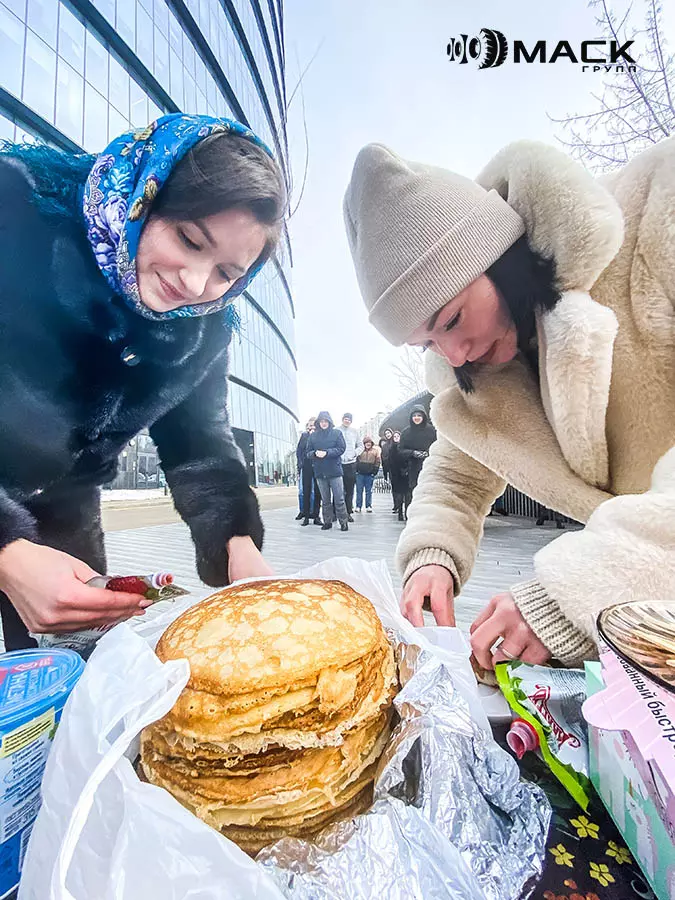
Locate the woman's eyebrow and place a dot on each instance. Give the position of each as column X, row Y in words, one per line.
column 209, row 237
column 432, row 321
column 205, row 231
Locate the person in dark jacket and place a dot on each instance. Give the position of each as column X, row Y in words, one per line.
column 385, row 450
column 367, row 467
column 414, row 447
column 117, row 276
column 398, row 475
column 385, row 447
column 325, row 447
column 311, row 496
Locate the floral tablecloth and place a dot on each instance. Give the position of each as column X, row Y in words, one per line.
column 586, row 858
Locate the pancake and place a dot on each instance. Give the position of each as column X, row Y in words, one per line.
column 252, row 840
column 286, row 713
column 333, row 697
column 319, row 769
column 264, row 635
column 328, row 732
column 301, row 810
column 202, row 757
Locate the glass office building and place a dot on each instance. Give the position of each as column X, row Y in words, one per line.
column 77, row 73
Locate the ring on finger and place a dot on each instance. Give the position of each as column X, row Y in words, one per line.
column 507, row 654
column 496, row 645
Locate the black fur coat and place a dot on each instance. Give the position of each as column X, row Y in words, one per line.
column 81, row 374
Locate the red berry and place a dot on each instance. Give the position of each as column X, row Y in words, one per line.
column 129, row 584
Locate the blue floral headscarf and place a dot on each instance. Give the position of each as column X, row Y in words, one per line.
column 119, row 193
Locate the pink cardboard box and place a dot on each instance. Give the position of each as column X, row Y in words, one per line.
column 632, row 762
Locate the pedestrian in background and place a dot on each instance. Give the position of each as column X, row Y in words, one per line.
column 385, row 448
column 367, row 467
column 398, row 474
column 325, row 447
column 416, row 440
column 309, row 489
column 300, row 451
column 353, row 447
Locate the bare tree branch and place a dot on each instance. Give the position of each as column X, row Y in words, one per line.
column 410, row 373
column 299, row 86
column 635, row 108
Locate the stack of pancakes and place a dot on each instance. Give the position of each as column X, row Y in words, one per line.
column 286, row 712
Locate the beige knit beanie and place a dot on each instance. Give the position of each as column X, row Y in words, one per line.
column 419, row 235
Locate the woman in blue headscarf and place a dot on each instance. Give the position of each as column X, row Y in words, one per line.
column 116, row 280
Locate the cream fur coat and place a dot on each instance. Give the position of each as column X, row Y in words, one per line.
column 586, row 436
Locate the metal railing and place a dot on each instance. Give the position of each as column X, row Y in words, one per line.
column 512, row 501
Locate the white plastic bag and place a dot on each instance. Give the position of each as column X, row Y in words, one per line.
column 102, row 834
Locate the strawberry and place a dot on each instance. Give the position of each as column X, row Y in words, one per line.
column 130, row 584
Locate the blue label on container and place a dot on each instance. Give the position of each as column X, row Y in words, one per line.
column 34, row 686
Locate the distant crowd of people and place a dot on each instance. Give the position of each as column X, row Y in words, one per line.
column 337, row 468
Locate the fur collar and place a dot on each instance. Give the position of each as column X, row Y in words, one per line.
column 576, row 343
column 569, row 216
column 573, row 219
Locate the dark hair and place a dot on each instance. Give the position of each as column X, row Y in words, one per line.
column 525, row 281
column 226, row 171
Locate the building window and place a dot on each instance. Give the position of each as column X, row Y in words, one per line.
column 71, row 40
column 43, row 18
column 39, row 77
column 119, row 87
column 144, row 33
column 95, row 120
column 96, row 67
column 126, row 21
column 69, row 102
column 139, row 105
column 12, row 39
column 117, row 123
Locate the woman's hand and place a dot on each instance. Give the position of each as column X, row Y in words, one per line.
column 48, row 589
column 434, row 582
column 502, row 618
column 245, row 560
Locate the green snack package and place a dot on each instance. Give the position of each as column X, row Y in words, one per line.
column 550, row 701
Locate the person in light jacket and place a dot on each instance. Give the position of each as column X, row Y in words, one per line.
column 353, row 446
column 546, row 300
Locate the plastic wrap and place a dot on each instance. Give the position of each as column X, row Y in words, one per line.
column 451, row 817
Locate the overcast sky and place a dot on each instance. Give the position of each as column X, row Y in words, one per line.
column 381, row 74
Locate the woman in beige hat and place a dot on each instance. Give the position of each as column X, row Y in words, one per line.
column 547, row 298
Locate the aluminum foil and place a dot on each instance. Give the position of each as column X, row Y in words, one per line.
column 451, row 817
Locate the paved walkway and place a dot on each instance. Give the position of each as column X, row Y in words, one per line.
column 505, row 556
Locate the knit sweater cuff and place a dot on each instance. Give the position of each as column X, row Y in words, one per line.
column 432, row 556
column 564, row 640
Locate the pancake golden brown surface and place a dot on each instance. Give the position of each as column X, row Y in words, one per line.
column 285, row 715
column 263, row 635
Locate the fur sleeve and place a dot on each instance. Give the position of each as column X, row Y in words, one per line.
column 206, row 474
column 625, row 552
column 445, row 519
column 15, row 522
